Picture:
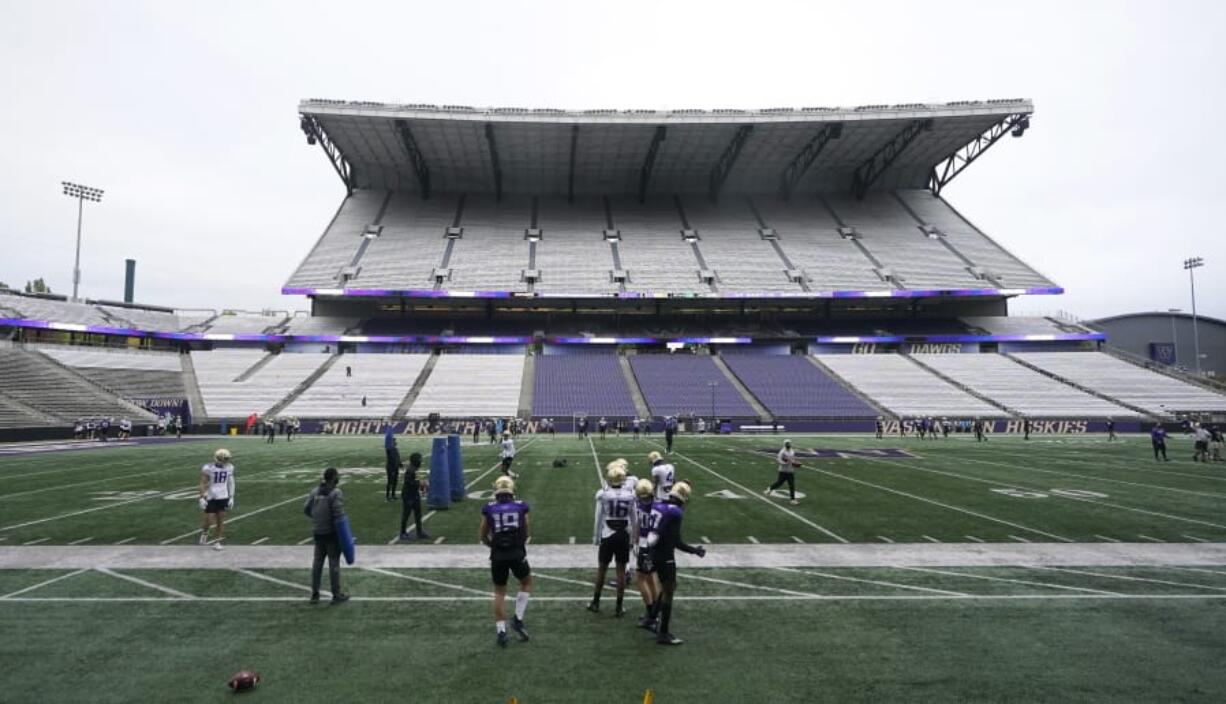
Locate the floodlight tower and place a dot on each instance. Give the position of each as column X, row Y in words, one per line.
column 1192, row 264
column 82, row 194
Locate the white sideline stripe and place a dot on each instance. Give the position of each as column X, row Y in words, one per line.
column 753, row 540
column 125, row 541
column 439, row 540
column 1091, row 477
column 36, row 542
column 884, row 539
column 82, row 540
column 282, row 582
column 596, row 462
column 43, row 583
column 1150, row 538
column 1129, row 578
column 705, row 539
column 583, row 599
column 797, row 539
column 96, row 508
column 743, row 585
column 144, row 583
column 1193, row 537
column 930, row 539
column 760, row 497
column 1019, row 539
column 568, row 580
column 260, row 541
column 879, row 583
column 1085, row 590
column 935, row 502
column 304, row 541
column 423, row 580
column 481, row 476
column 1103, row 537
column 91, row 481
column 973, row 539
column 1196, row 569
column 238, row 518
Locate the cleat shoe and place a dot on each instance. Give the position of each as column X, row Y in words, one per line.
column 645, row 622
column 593, row 607
column 668, row 639
column 204, row 538
column 619, row 612
column 406, row 536
column 217, row 546
column 503, row 639
column 518, row 626
column 339, row 599
column 795, row 502
column 423, row 536
column 315, row 598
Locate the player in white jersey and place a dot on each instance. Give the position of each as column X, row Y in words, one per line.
column 615, row 521
column 661, row 475
column 786, row 459
column 507, row 453
column 216, row 495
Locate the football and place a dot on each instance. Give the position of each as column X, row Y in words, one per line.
column 244, row 680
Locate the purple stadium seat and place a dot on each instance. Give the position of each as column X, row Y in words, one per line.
column 792, row 387
column 678, row 385
column 584, row 383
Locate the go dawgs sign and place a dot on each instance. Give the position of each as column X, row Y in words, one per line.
column 885, row 453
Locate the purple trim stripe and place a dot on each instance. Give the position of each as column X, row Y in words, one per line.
column 888, row 293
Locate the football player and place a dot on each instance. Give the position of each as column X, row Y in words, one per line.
column 664, row 541
column 787, row 471
column 505, row 528
column 508, row 454
column 644, row 493
column 216, row 495
column 614, row 522
column 661, row 475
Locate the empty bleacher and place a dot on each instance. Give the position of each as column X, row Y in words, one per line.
column 382, row 380
column 39, row 384
column 462, row 385
column 732, row 246
column 319, row 325
column 572, row 254
column 591, row 384
column 216, row 371
column 651, row 249
column 682, row 384
column 791, row 386
column 134, row 374
column 1117, row 379
column 906, row 389
column 492, row 254
column 338, row 244
column 810, row 238
column 1020, row 388
column 236, row 322
column 1018, row 325
column 410, row 245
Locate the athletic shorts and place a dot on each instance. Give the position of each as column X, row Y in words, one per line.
column 506, row 462
column 499, row 570
column 645, row 564
column 1201, row 446
column 615, row 548
column 217, row 506
column 667, row 571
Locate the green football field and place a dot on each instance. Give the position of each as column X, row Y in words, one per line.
column 758, row 630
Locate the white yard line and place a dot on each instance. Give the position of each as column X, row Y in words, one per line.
column 714, row 580
column 1091, row 477
column 439, row 540
column 75, row 484
column 596, row 461
column 1150, row 538
column 1196, row 569
column 753, row 540
column 82, row 540
column 96, row 508
column 760, row 497
column 282, row 582
column 570, row 540
column 1105, row 538
column 705, row 539
column 1194, row 538
column 127, row 540
column 797, row 539
column 260, row 541
column 1019, row 539
column 934, row 502
column 423, row 580
column 930, row 539
column 973, row 539
column 884, row 539
column 567, row 580
column 43, row 584
column 1128, row 578
column 240, row 517
column 304, row 541
column 1086, row 590
column 583, row 599
column 36, row 542
column 879, row 583
column 135, row 580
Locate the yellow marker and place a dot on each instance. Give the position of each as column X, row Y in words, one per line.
column 649, row 697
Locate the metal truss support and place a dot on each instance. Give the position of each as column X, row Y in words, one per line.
column 952, row 165
column 800, row 163
column 315, row 134
column 649, row 162
column 570, row 177
column 489, row 140
column 875, row 165
column 719, row 172
column 415, row 157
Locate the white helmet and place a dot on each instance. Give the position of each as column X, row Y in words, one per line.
column 222, row 456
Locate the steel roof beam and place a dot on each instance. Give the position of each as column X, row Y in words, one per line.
column 489, row 140
column 315, row 134
column 952, row 165
column 570, row 178
column 649, row 162
column 719, row 172
column 875, row 165
column 808, row 154
column 415, row 157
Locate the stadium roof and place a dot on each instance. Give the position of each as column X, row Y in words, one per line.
column 428, row 148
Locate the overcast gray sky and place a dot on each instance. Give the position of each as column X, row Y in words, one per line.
column 186, row 114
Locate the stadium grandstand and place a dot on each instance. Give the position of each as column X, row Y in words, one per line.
column 794, row 267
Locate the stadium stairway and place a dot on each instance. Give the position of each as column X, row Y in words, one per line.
column 851, row 389
column 16, row 414
column 403, row 409
column 632, row 383
column 990, row 401
column 527, row 386
column 763, row 414
column 255, row 367
column 302, row 385
column 85, row 385
column 195, row 401
column 1093, row 392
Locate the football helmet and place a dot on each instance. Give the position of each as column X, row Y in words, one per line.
column 504, row 485
column 654, row 456
column 222, row 456
column 681, row 491
column 644, row 489
column 616, row 475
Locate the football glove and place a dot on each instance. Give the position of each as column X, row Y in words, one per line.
column 203, row 503
column 230, row 503
column 700, row 551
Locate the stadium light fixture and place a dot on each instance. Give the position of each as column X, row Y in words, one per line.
column 1192, row 264
column 82, row 194
column 1020, row 127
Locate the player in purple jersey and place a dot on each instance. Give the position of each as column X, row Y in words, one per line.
column 664, row 540
column 644, row 494
column 505, row 528
column 1157, row 438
